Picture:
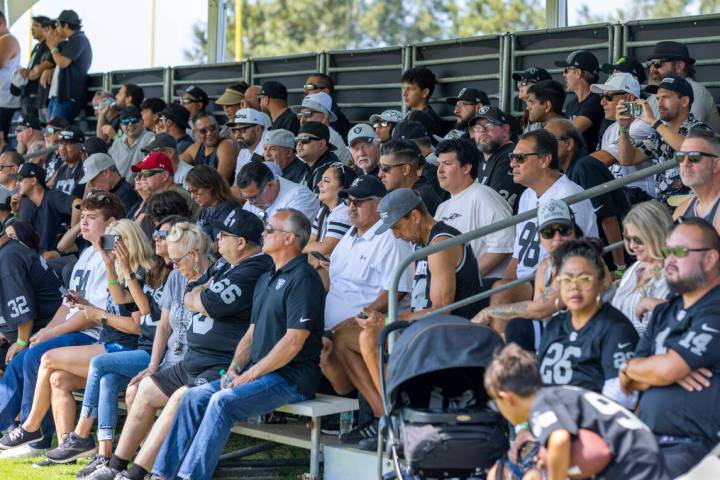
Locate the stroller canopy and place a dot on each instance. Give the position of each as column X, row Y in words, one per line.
column 438, row 343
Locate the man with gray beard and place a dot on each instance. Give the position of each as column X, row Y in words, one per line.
column 677, row 361
column 699, row 159
column 490, row 129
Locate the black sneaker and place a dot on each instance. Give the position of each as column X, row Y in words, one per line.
column 103, row 472
column 97, row 462
column 18, row 437
column 331, row 425
column 369, row 444
column 358, row 433
column 72, row 448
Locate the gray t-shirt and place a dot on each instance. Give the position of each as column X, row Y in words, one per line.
column 172, row 300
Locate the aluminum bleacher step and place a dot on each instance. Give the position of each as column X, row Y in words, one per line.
column 341, row 462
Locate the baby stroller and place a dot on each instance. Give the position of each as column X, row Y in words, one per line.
column 434, row 400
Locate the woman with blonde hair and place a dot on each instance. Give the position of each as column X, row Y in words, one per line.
column 643, row 286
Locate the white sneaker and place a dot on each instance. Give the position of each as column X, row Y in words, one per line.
column 24, row 451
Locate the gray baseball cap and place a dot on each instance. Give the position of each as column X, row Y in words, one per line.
column 361, row 131
column 392, row 116
column 395, row 205
column 280, row 138
column 554, row 212
column 319, row 102
column 162, row 140
column 94, row 165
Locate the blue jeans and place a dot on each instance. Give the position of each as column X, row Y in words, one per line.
column 67, row 109
column 205, row 416
column 108, row 374
column 17, row 386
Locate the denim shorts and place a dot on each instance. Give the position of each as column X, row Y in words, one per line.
column 113, row 347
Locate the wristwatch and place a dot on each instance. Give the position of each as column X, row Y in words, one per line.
column 657, row 124
column 104, row 320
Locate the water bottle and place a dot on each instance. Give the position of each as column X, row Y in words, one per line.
column 346, row 422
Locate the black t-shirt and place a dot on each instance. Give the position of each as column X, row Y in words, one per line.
column 110, row 334
column 149, row 323
column 291, row 298
column 68, row 177
column 210, row 214
column 427, row 193
column 40, row 53
column 495, row 173
column 314, row 174
column 588, row 172
column 694, row 334
column 127, row 194
column 635, row 453
column 29, row 288
column 52, row 163
column 287, row 121
column 587, row 357
column 342, row 125
column 184, row 142
column 296, row 171
column 467, row 276
column 228, row 300
column 435, row 125
column 51, row 219
column 590, row 108
column 429, row 173
column 72, row 81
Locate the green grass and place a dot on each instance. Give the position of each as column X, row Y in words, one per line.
column 21, row 469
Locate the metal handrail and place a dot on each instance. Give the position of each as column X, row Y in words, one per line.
column 502, row 224
column 40, row 152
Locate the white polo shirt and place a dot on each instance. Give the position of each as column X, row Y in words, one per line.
column 246, row 154
column 291, row 195
column 475, row 207
column 360, row 269
column 638, row 131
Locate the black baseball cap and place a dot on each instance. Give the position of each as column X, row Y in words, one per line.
column 131, row 111
column 409, row 130
column 364, row 186
column 42, row 20
column 72, row 134
column 56, row 121
column 582, row 59
column 195, row 92
column 671, row 51
column 70, row 17
column 162, row 140
column 94, row 145
column 30, row 121
column 492, row 114
column 177, row 113
column 240, row 223
column 316, row 129
column 470, row 95
column 626, row 65
column 274, row 89
column 30, row 170
column 676, row 84
column 532, row 74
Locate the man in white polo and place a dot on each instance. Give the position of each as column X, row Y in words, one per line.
column 248, row 130
column 360, row 274
column 265, row 192
column 317, row 107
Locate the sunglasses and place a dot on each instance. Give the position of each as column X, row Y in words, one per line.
column 241, row 130
column 629, row 240
column 311, row 86
column 521, row 157
column 694, row 156
column 269, row 229
column 680, row 252
column 305, row 139
column 130, row 120
column 150, row 172
column 382, row 124
column 609, row 97
column 20, row 128
column 160, row 234
column 385, row 168
column 483, row 127
column 306, row 114
column 549, row 232
column 187, row 101
column 583, row 282
column 657, row 63
column 51, row 130
column 205, row 130
column 358, row 202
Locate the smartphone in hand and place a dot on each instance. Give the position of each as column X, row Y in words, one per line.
column 107, row 242
column 320, row 256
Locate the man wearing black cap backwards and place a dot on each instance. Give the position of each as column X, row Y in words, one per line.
column 73, row 59
column 173, row 120
column 585, row 111
column 273, row 101
column 673, row 58
column 675, row 97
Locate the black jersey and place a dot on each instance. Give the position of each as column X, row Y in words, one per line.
column 694, row 334
column 29, row 288
column 467, row 276
column 589, row 356
column 110, row 334
column 208, row 215
column 68, row 177
column 495, row 173
column 51, row 219
column 635, row 453
column 149, row 322
column 228, row 300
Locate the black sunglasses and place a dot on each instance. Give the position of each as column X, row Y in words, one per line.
column 549, row 232
column 205, row 130
column 693, row 157
column 385, row 168
column 305, row 139
column 657, row 63
column 611, row 96
column 521, row 157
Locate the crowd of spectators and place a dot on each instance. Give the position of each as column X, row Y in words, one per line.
column 218, row 266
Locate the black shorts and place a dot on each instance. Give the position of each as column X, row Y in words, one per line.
column 170, row 379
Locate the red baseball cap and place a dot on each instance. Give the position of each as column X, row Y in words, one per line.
column 154, row 160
